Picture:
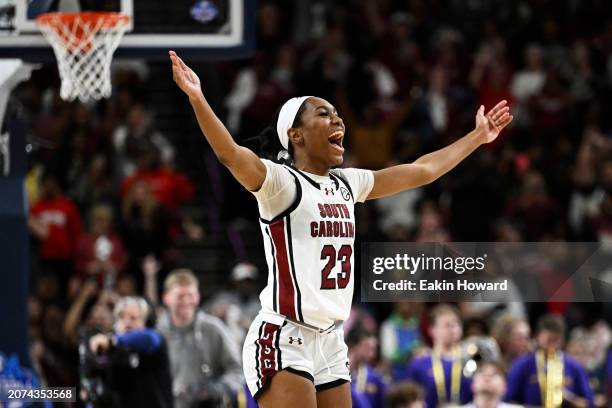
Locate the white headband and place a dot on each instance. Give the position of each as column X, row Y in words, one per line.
column 286, row 117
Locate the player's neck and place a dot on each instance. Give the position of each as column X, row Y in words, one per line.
column 309, row 166
column 485, row 401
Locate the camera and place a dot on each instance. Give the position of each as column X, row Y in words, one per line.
column 95, row 374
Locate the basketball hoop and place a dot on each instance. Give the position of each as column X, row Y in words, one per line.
column 84, row 44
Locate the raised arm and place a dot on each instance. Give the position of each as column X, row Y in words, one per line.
column 431, row 166
column 244, row 165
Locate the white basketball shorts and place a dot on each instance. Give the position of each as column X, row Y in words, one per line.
column 274, row 344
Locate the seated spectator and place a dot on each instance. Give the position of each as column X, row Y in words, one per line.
column 405, row 394
column 366, row 380
column 238, row 306
column 137, row 358
column 204, row 360
column 400, row 336
column 100, row 253
column 440, row 372
column 549, row 374
column 489, row 387
column 512, row 336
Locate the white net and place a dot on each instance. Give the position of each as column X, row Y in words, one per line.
column 84, row 44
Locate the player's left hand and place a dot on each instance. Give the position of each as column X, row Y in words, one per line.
column 493, row 122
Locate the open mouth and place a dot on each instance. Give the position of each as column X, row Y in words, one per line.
column 336, row 140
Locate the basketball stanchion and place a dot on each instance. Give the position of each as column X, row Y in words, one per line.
column 84, row 44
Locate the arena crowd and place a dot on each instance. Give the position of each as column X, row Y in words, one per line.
column 127, row 202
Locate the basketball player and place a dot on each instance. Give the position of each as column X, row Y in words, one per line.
column 294, row 354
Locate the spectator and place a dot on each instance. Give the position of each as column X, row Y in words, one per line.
column 400, row 336
column 399, row 210
column 405, row 394
column 490, row 75
column 204, row 359
column 239, row 306
column 169, row 187
column 436, row 105
column 440, row 372
column 137, row 356
column 366, row 380
column 600, row 221
column 552, row 107
column 94, row 185
column 145, row 225
column 100, row 253
column 590, row 348
column 512, row 336
column 372, row 139
column 535, row 208
column 431, row 225
column 528, row 82
column 89, row 312
column 489, row 387
column 588, row 193
column 56, row 222
column 557, row 376
column 137, row 134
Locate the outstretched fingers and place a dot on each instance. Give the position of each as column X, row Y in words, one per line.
column 499, row 114
column 497, row 107
column 502, row 121
column 505, row 121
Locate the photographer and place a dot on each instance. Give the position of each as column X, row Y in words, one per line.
column 204, row 358
column 132, row 362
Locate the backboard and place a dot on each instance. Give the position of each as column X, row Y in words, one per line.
column 200, row 29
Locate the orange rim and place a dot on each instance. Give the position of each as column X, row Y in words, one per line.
column 80, row 38
column 111, row 20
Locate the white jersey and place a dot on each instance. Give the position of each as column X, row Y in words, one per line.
column 308, row 226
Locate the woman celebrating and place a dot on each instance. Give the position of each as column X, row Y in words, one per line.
column 294, row 354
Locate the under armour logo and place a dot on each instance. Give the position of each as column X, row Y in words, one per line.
column 295, row 340
column 328, row 191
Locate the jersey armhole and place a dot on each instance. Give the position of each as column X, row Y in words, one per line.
column 293, row 206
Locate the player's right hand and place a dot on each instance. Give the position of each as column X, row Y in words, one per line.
column 184, row 77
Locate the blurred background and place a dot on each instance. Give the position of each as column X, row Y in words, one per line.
column 125, row 190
